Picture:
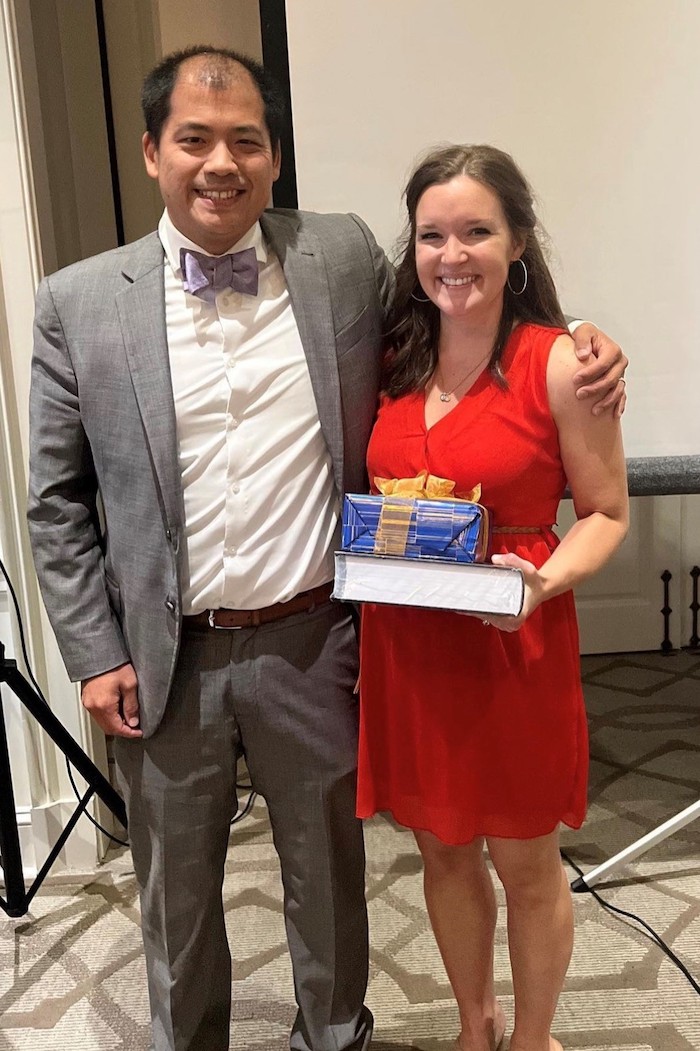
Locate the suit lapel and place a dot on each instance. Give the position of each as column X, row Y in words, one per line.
column 301, row 256
column 141, row 307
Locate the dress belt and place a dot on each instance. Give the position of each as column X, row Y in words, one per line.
column 517, row 529
column 229, row 619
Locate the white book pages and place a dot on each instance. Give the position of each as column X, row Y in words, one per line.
column 471, row 587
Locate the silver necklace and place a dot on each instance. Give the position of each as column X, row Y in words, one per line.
column 445, row 395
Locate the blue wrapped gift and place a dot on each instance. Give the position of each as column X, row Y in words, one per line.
column 409, row 527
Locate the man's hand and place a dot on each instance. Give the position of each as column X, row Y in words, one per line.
column 602, row 378
column 112, row 701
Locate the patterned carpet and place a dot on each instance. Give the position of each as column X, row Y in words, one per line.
column 72, row 973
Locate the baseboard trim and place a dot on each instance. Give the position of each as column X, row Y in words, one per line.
column 39, row 828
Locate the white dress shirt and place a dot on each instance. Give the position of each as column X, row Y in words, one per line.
column 261, row 507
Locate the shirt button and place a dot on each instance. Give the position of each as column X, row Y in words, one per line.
column 233, row 421
column 230, row 364
column 235, row 488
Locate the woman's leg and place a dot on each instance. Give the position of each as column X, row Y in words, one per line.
column 540, row 933
column 462, row 909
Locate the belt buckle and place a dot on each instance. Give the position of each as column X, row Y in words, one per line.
column 221, row 627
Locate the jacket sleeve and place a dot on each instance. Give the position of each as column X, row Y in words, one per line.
column 384, row 275
column 63, row 515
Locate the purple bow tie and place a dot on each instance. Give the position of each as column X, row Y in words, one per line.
column 205, row 275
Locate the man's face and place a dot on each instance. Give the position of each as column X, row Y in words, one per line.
column 215, row 164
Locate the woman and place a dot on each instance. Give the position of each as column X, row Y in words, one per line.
column 474, row 730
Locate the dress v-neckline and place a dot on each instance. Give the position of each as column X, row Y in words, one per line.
column 479, row 387
column 478, row 383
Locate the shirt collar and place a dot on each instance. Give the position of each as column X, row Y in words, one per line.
column 172, row 241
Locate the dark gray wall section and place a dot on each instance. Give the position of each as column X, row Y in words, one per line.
column 663, row 475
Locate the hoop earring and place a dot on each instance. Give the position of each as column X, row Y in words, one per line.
column 522, row 263
column 418, row 299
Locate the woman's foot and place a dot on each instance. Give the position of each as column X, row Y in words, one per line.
column 554, row 1045
column 490, row 1038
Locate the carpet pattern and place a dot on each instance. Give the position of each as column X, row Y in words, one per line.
column 72, row 973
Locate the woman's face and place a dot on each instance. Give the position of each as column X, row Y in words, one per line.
column 463, row 249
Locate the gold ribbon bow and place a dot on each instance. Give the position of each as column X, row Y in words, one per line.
column 425, row 487
column 399, row 494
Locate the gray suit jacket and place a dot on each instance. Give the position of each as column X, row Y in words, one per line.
column 103, row 420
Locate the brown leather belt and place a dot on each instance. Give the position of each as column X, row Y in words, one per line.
column 517, row 529
column 230, row 619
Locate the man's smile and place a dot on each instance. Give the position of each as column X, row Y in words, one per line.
column 217, row 195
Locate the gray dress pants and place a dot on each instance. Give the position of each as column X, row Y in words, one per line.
column 280, row 694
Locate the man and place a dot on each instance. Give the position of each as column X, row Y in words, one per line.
column 220, row 416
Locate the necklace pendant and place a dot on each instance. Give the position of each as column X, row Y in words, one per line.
column 444, row 396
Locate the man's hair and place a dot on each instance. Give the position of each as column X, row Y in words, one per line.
column 219, row 71
column 413, row 325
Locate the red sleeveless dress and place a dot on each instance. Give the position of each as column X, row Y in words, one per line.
column 466, row 730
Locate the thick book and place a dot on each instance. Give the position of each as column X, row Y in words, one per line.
column 470, row 587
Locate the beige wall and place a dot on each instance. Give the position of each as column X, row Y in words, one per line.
column 597, row 101
column 72, row 135
column 131, row 28
column 223, row 23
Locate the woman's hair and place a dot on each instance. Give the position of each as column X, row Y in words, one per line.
column 413, row 326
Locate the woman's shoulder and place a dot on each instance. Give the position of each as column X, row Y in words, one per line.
column 530, row 347
column 541, row 335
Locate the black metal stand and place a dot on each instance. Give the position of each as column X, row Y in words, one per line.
column 694, row 642
column 666, row 611
column 18, row 897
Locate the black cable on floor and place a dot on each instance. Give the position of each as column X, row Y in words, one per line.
column 248, row 806
column 647, row 929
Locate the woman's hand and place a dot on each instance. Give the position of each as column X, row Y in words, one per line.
column 534, row 592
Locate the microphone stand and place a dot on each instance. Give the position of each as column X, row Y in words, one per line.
column 18, row 896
